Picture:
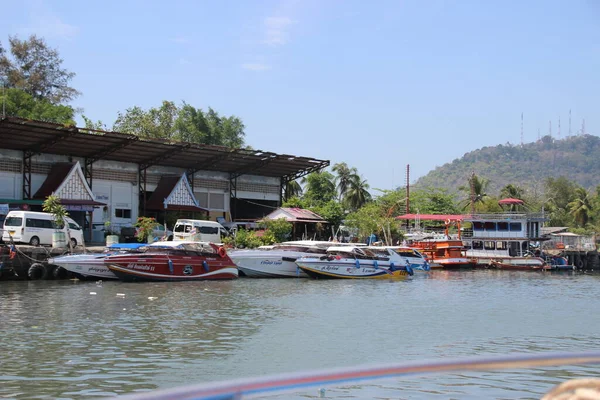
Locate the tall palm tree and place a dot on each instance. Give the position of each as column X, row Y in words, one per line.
column 343, row 179
column 292, row 189
column 477, row 191
column 357, row 193
column 581, row 207
column 512, row 191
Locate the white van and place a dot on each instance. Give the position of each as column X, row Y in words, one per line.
column 36, row 228
column 198, row 230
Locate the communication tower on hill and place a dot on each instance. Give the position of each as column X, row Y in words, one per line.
column 521, row 129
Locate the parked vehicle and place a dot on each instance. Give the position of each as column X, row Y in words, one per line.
column 36, row 228
column 159, row 233
column 198, row 230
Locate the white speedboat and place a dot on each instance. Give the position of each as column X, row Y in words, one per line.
column 278, row 261
column 91, row 265
column 351, row 262
column 416, row 260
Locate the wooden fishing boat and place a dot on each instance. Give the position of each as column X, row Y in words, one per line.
column 174, row 261
column 444, row 253
column 351, row 262
column 520, row 266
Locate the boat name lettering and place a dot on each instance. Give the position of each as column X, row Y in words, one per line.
column 269, row 262
column 142, row 267
column 97, row 269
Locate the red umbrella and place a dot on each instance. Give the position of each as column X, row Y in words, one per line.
column 510, row 200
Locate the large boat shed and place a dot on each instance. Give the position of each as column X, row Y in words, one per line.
column 113, row 175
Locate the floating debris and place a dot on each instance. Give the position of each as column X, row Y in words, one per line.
column 92, row 293
column 120, row 294
column 152, row 298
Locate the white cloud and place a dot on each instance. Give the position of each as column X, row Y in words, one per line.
column 256, row 66
column 277, row 30
column 45, row 23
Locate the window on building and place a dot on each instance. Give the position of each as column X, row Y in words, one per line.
column 217, row 201
column 501, row 246
column 477, row 245
column 515, row 227
column 123, row 213
column 477, row 226
column 503, row 226
column 489, row 226
column 202, row 199
column 489, row 245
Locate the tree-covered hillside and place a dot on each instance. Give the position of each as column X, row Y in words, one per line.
column 577, row 158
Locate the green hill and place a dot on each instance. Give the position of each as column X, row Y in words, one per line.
column 577, row 158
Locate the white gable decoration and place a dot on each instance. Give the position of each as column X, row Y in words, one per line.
column 75, row 187
column 181, row 194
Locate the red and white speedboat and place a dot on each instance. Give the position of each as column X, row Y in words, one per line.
column 174, row 261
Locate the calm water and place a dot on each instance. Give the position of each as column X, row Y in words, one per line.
column 61, row 341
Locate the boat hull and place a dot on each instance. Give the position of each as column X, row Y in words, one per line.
column 85, row 266
column 162, row 267
column 519, row 267
column 268, row 264
column 349, row 270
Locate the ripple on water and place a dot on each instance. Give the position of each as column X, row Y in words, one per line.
column 59, row 341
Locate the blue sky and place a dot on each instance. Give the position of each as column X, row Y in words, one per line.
column 377, row 85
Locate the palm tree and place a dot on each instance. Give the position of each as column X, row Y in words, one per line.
column 344, row 176
column 512, row 191
column 292, row 189
column 581, row 207
column 477, row 190
column 357, row 194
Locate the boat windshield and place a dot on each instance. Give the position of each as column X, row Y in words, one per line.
column 302, row 249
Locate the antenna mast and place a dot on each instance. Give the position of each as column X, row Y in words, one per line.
column 407, row 192
column 559, row 128
column 569, row 122
column 521, row 129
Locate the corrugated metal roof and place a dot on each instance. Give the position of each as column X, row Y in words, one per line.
column 295, row 215
column 44, row 137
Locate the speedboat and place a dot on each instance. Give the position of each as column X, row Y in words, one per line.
column 90, row 266
column 278, row 261
column 174, row 261
column 352, row 262
column 415, row 259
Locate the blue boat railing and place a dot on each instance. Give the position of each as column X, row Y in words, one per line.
column 237, row 389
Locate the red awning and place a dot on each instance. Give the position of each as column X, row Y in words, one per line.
column 433, row 217
column 510, row 200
